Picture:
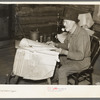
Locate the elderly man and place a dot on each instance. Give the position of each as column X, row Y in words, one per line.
column 75, row 51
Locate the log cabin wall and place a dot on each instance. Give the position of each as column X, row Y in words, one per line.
column 96, row 17
column 81, row 8
column 31, row 17
column 4, row 22
column 43, row 17
column 5, row 25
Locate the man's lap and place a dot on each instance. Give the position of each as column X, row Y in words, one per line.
column 70, row 67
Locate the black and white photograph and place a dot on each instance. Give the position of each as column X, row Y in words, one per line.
column 50, row 45
column 55, row 44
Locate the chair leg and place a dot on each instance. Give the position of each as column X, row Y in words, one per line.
column 91, row 81
column 49, row 81
column 76, row 80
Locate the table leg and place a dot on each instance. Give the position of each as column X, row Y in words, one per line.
column 49, row 81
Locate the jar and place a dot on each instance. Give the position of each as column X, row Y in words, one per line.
column 34, row 35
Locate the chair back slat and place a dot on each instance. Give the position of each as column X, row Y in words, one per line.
column 95, row 49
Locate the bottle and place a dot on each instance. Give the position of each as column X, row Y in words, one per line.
column 45, row 38
column 41, row 38
column 49, row 38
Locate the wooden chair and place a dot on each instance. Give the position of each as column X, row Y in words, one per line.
column 87, row 74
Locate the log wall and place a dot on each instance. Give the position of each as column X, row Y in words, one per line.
column 4, row 22
column 31, row 17
column 43, row 17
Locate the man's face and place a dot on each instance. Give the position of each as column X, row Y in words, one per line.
column 68, row 24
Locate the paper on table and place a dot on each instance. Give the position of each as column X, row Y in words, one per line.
column 34, row 46
column 85, row 20
column 27, row 42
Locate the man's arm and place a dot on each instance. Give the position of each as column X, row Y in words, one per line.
column 62, row 45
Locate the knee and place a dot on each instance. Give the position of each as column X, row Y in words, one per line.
column 61, row 71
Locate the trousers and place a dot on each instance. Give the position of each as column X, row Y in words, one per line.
column 68, row 67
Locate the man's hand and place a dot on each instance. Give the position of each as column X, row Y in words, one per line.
column 61, row 51
column 51, row 43
column 58, row 50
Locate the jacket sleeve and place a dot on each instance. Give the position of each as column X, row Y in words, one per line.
column 79, row 53
column 63, row 45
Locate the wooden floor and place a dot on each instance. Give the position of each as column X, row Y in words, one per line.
column 6, row 61
column 6, row 65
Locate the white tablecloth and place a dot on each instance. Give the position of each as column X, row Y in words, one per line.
column 36, row 65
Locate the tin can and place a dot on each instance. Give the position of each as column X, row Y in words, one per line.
column 34, row 35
